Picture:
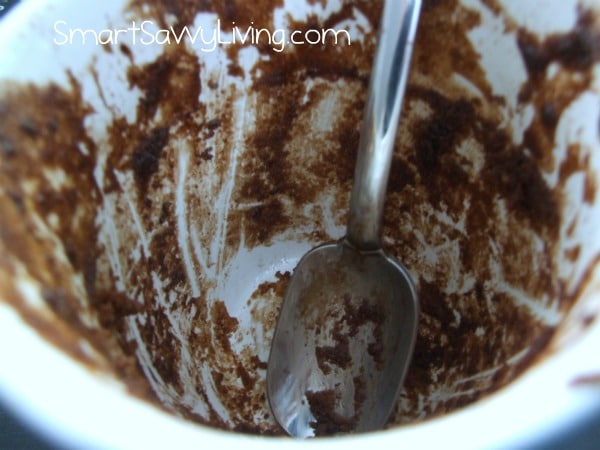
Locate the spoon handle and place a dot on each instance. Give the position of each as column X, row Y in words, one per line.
column 380, row 122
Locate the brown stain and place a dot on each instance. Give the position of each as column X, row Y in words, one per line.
column 145, row 157
column 355, row 313
column 575, row 51
column 164, row 347
column 276, row 287
column 223, row 324
column 334, row 355
column 172, row 81
column 327, row 422
column 274, row 169
column 41, row 127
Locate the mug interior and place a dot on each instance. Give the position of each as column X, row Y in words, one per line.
column 156, row 198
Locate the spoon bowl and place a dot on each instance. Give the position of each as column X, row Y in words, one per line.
column 347, row 326
column 342, row 342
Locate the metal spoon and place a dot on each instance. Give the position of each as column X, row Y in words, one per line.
column 347, row 327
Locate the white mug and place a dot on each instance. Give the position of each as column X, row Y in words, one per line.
column 163, row 168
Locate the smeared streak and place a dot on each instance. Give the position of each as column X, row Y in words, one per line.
column 109, row 230
column 224, row 198
column 122, row 179
column 183, row 238
column 182, row 221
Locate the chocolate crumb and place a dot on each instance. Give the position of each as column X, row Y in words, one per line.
column 327, row 422
column 145, row 157
column 338, row 355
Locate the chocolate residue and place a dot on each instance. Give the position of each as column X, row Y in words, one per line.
column 223, row 324
column 145, row 157
column 508, row 172
column 147, row 233
column 338, row 355
column 44, row 142
column 327, row 422
column 577, row 50
column 352, row 319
